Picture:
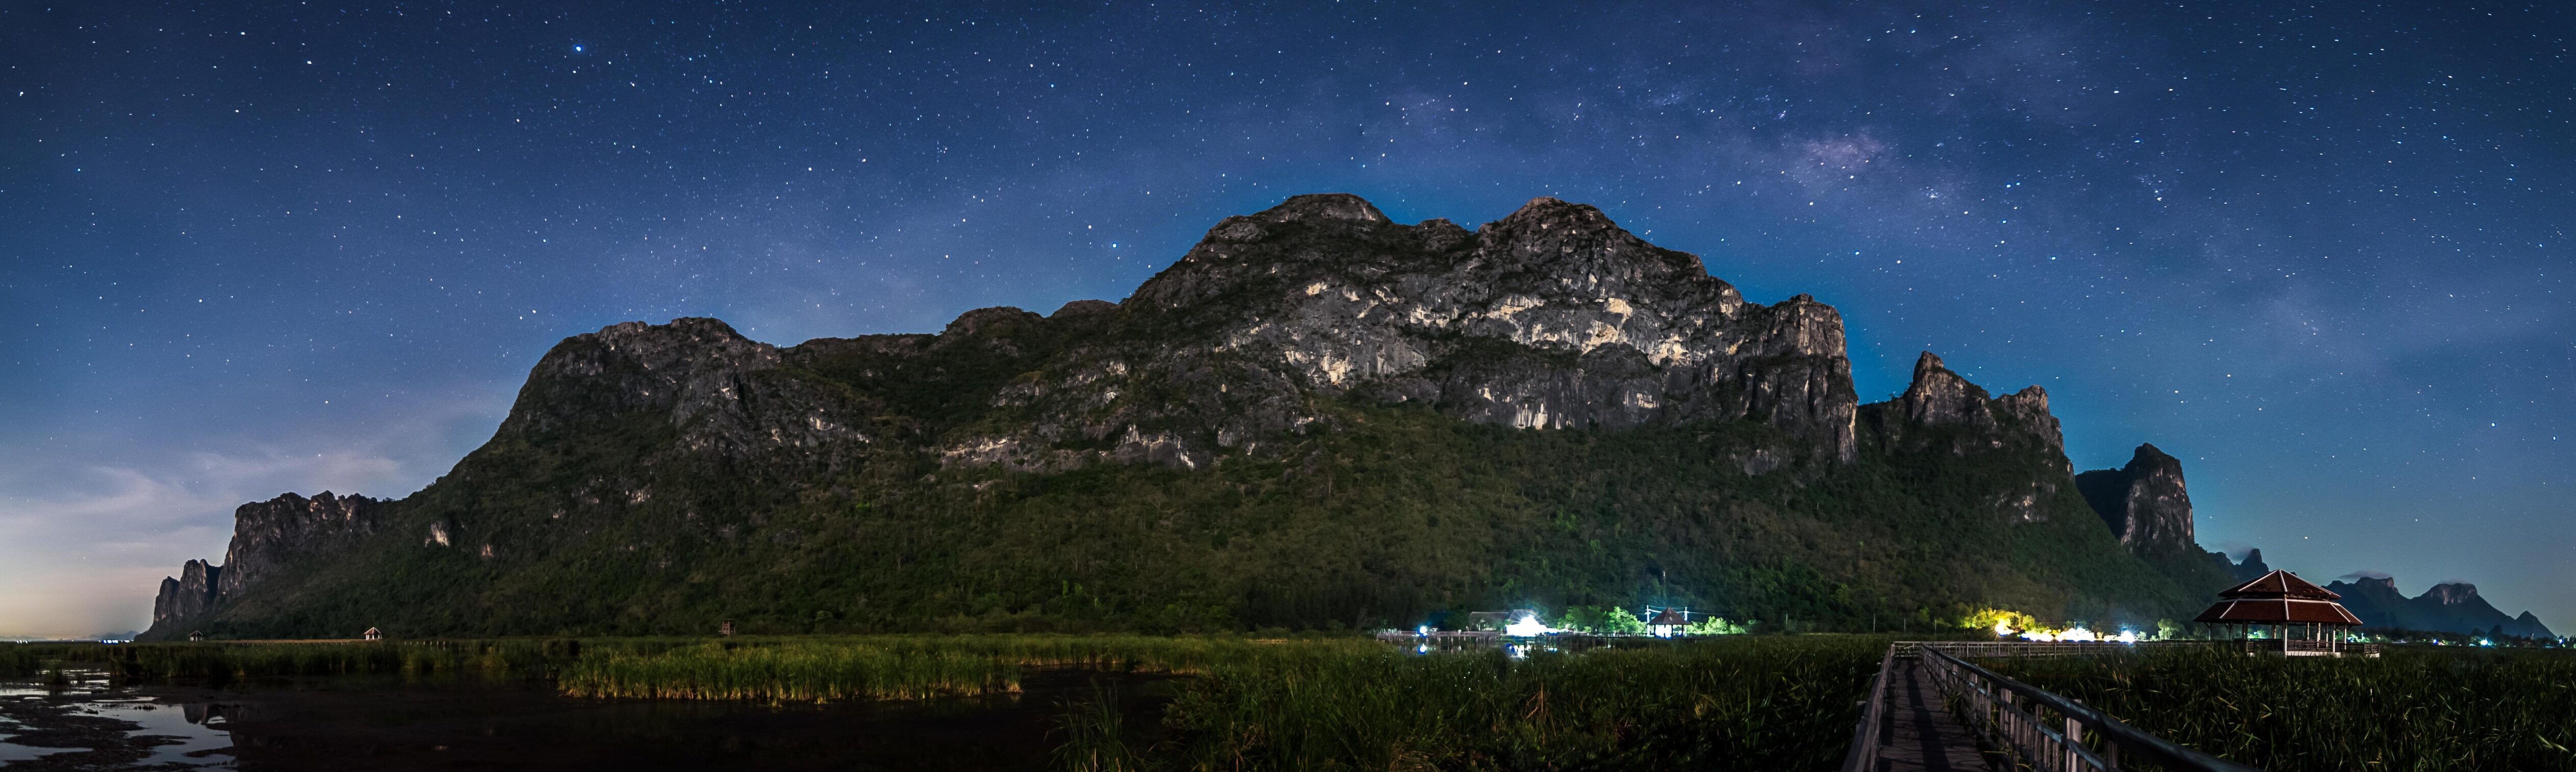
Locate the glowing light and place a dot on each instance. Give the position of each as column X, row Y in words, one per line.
column 2127, row 636
column 2078, row 634
column 1528, row 626
column 2003, row 627
column 2037, row 635
column 1423, row 630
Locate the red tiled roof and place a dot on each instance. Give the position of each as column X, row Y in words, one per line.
column 2279, row 584
column 2268, row 611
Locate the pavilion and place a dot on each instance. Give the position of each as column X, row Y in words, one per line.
column 2304, row 620
column 1668, row 623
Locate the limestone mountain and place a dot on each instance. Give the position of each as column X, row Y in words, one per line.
column 2450, row 607
column 2247, row 570
column 2144, row 502
column 1315, row 417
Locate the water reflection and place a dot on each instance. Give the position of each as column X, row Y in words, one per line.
column 87, row 724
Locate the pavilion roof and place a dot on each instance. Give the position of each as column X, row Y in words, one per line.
column 2273, row 611
column 1669, row 617
column 2279, row 584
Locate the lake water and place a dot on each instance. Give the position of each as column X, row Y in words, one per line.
column 383, row 726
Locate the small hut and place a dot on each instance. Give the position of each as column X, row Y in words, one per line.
column 2303, row 619
column 196, row 635
column 374, row 634
column 1668, row 623
column 725, row 629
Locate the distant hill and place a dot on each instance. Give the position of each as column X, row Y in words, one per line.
column 1315, row 418
column 2449, row 608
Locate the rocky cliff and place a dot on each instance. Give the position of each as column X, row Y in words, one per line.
column 270, row 538
column 2143, row 502
column 2451, row 607
column 1315, row 414
column 1551, row 318
column 2247, row 570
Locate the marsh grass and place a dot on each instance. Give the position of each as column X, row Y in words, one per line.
column 2415, row 708
column 1754, row 703
column 1767, row 702
column 19, row 660
column 1095, row 735
column 815, row 669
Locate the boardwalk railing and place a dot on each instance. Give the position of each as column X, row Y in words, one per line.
column 2047, row 732
column 1873, row 715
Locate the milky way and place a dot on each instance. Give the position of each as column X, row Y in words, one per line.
column 2315, row 252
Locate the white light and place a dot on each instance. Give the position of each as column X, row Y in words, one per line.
column 2127, row 636
column 2078, row 634
column 1423, row 630
column 1527, row 627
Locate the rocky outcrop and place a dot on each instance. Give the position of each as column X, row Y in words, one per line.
column 2247, row 570
column 2144, row 502
column 186, row 596
column 1940, row 399
column 270, row 538
column 720, row 392
column 2451, row 607
column 1552, row 317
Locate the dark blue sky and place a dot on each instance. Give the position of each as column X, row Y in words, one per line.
column 2314, row 251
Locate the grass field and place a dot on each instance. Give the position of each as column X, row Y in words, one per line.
column 2415, row 708
column 1324, row 703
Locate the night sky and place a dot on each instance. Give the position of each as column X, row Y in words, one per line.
column 2317, row 252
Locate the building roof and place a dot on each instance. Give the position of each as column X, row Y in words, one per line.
column 1669, row 617
column 2279, row 584
column 2268, row 611
column 2279, row 597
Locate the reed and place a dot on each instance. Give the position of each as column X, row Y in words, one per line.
column 2414, row 708
column 799, row 671
column 19, row 660
column 226, row 662
column 1759, row 703
column 1095, row 733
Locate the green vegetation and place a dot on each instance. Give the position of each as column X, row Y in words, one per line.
column 1594, row 619
column 2414, row 708
column 1328, row 703
column 886, row 667
column 19, row 660
column 1393, row 515
column 1746, row 703
column 221, row 663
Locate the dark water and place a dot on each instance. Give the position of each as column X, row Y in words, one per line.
column 382, row 726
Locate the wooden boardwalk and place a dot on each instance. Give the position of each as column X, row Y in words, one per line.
column 1918, row 733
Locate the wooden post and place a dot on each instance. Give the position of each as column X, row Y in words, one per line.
column 2074, row 740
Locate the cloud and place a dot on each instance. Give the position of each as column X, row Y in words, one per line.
column 87, row 534
column 2364, row 574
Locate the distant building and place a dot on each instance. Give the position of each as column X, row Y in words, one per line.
column 725, row 629
column 374, row 634
column 1668, row 623
column 2300, row 619
column 196, row 635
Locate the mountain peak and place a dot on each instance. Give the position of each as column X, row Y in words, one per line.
column 2453, row 593
column 2145, row 502
column 2148, row 456
column 1939, row 397
column 1324, row 206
